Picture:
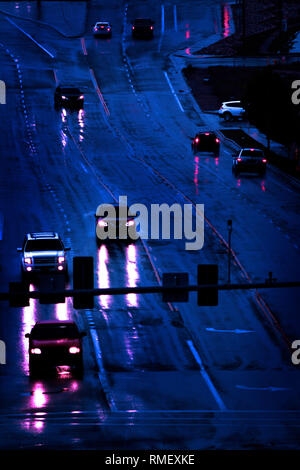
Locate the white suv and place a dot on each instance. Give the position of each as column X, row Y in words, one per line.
column 43, row 252
column 231, row 110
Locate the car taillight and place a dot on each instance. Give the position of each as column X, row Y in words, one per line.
column 217, row 141
column 63, row 97
column 239, row 159
column 197, row 140
column 95, row 29
column 61, row 259
column 108, row 29
column 28, row 260
column 102, row 223
column 206, row 133
column 81, row 97
column 130, row 223
column 264, row 160
column 74, row 350
column 35, row 351
column 132, row 27
column 102, row 27
column 151, row 27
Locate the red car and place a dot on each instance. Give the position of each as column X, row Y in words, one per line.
column 55, row 343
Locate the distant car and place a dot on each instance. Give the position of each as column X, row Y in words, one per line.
column 232, row 110
column 206, row 142
column 43, row 252
column 114, row 225
column 143, row 28
column 55, row 343
column 68, row 97
column 249, row 160
column 102, row 28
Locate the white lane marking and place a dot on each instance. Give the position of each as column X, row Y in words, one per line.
column 175, row 18
column 1, row 225
column 206, row 377
column 173, row 92
column 237, row 331
column 162, row 31
column 267, row 389
column 30, row 37
column 102, row 373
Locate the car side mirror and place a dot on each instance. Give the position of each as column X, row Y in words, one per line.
column 19, row 250
column 82, row 334
column 27, row 335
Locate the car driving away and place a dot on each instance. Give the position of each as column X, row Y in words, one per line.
column 42, row 252
column 206, row 142
column 55, row 343
column 112, row 227
column 249, row 160
column 230, row 110
column 142, row 28
column 102, row 29
column 68, row 97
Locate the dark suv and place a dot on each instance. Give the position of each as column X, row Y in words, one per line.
column 249, row 160
column 68, row 97
column 142, row 28
column 55, row 343
column 206, row 142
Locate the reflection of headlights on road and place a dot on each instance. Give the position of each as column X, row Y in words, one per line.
column 102, row 223
column 74, row 350
column 35, row 351
column 28, row 260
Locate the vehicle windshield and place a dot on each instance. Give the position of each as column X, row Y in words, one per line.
column 252, row 153
column 130, row 215
column 52, row 331
column 144, row 22
column 44, row 245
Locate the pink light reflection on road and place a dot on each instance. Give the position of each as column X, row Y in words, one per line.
column 103, row 275
column 132, row 275
column 29, row 318
column 196, row 173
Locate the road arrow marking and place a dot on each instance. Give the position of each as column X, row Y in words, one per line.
column 267, row 389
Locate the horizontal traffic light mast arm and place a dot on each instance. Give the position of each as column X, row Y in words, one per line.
column 152, row 289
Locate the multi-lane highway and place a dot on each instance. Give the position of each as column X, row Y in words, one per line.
column 157, row 375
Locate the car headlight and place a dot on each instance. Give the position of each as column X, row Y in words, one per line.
column 129, row 223
column 35, row 351
column 63, row 97
column 27, row 260
column 102, row 223
column 61, row 259
column 74, row 350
